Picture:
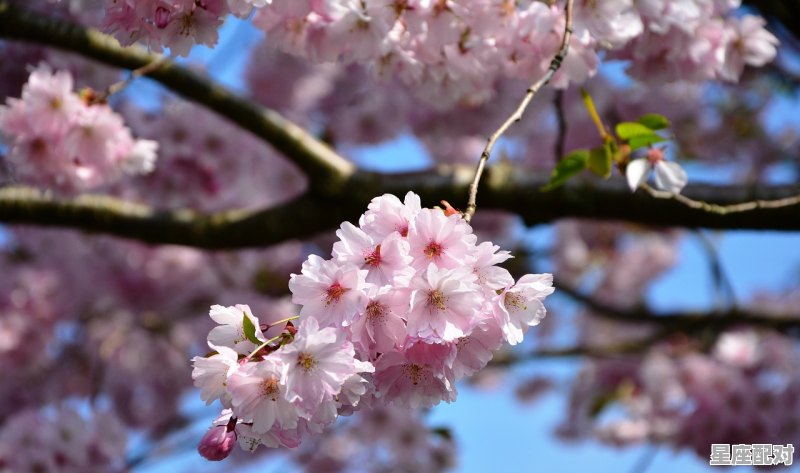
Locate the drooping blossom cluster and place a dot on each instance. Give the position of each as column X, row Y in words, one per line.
column 409, row 304
column 62, row 441
column 176, row 24
column 455, row 51
column 452, row 52
column 60, row 140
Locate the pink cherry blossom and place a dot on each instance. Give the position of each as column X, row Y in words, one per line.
column 330, row 292
column 387, row 214
column 443, row 304
column 384, row 260
column 258, row 395
column 405, row 383
column 382, row 326
column 520, row 306
column 316, row 364
column 217, row 443
column 230, row 331
column 437, row 239
column 210, row 374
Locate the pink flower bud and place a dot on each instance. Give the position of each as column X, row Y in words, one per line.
column 162, row 17
column 217, row 443
column 655, row 155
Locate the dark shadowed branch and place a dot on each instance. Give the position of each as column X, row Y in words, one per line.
column 518, row 193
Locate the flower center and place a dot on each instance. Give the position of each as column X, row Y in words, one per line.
column 270, row 388
column 306, row 362
column 515, row 301
column 373, row 259
column 334, row 293
column 375, row 310
column 437, row 299
column 414, row 373
column 433, row 250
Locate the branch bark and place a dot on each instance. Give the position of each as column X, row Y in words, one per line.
column 324, row 167
column 684, row 321
column 310, row 214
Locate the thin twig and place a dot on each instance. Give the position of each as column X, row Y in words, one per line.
column 558, row 104
column 723, row 209
column 118, row 87
column 684, row 321
column 722, row 281
column 555, row 64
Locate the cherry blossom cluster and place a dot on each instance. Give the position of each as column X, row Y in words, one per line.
column 62, row 440
column 176, row 24
column 65, row 141
column 745, row 389
column 190, row 173
column 456, row 51
column 408, row 304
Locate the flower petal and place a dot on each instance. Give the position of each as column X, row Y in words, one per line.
column 637, row 173
column 670, row 176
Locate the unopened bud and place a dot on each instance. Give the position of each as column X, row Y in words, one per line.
column 655, row 155
column 217, row 443
column 162, row 17
column 448, row 209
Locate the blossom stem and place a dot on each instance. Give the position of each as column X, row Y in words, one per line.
column 264, row 345
column 278, row 322
column 555, row 64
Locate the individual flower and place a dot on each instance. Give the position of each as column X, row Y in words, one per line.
column 230, row 333
column 210, row 374
column 386, row 214
column 415, row 383
column 443, row 304
column 669, row 176
column 750, row 44
column 440, row 240
column 382, row 327
column 330, row 292
column 316, row 363
column 490, row 276
column 258, row 395
column 521, row 305
column 384, row 260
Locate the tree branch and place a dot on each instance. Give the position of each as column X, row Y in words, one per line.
column 555, row 64
column 324, row 167
column 684, row 321
column 303, row 217
column 502, row 189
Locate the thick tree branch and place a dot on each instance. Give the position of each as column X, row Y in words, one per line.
column 236, row 229
column 326, row 169
column 517, row 192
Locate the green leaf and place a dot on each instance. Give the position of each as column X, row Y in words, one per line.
column 654, row 121
column 645, row 140
column 249, row 329
column 572, row 164
column 600, row 161
column 627, row 130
